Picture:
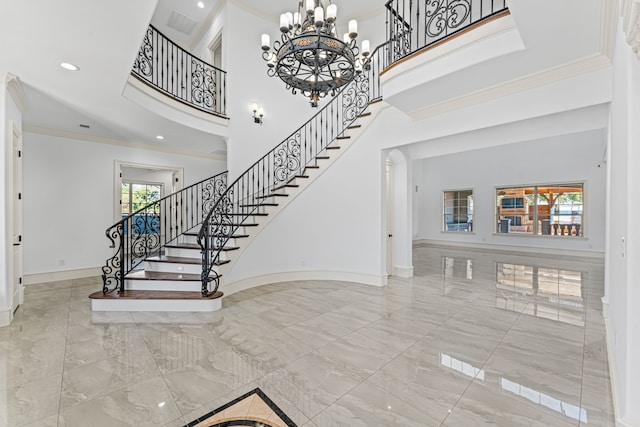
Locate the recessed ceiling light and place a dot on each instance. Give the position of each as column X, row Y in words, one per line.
column 159, row 137
column 200, row 4
column 69, row 66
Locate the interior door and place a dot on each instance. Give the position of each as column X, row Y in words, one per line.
column 390, row 214
column 18, row 292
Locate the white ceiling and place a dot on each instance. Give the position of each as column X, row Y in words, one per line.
column 82, row 32
column 32, row 45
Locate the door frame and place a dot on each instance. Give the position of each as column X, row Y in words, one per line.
column 15, row 210
column 399, row 220
column 177, row 172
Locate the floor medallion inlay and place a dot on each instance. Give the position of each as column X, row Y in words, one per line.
column 254, row 409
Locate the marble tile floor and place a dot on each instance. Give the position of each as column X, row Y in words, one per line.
column 474, row 338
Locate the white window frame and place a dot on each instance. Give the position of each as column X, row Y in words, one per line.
column 469, row 209
column 570, row 230
column 131, row 184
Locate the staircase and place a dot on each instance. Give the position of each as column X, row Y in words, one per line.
column 173, row 255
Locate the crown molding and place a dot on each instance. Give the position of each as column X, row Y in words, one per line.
column 14, row 87
column 608, row 21
column 129, row 144
column 630, row 11
column 565, row 71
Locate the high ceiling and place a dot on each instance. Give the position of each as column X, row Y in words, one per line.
column 33, row 44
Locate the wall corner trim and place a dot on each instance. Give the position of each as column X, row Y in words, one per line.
column 403, row 272
column 14, row 87
column 6, row 316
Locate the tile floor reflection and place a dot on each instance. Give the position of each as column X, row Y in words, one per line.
column 474, row 338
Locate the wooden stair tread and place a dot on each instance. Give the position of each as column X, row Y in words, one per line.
column 354, row 126
column 174, row 260
column 280, row 187
column 238, row 224
column 302, row 176
column 181, row 260
column 312, row 167
column 332, row 147
column 259, row 205
column 247, row 214
column 156, row 295
column 272, row 195
column 323, row 157
column 365, row 114
column 159, row 275
column 235, row 236
column 196, row 246
column 343, row 137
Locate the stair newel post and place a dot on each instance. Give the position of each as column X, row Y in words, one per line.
column 123, row 254
column 161, row 212
column 205, row 258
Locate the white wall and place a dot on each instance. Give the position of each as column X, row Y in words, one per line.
column 249, row 83
column 622, row 269
column 68, row 197
column 333, row 226
column 560, row 159
column 5, row 237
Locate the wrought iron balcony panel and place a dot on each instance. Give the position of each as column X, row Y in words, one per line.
column 414, row 25
column 168, row 68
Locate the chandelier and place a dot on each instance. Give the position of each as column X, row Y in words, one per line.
column 310, row 58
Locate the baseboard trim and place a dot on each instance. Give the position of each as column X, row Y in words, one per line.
column 613, row 368
column 6, row 316
column 56, row 276
column 291, row 276
column 403, row 272
column 510, row 248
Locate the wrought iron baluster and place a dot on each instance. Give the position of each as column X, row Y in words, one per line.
column 177, row 73
column 146, row 231
column 441, row 18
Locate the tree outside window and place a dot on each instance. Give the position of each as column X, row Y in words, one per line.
column 136, row 196
column 549, row 210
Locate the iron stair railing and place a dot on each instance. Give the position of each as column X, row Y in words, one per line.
column 167, row 67
column 284, row 163
column 414, row 25
column 146, row 232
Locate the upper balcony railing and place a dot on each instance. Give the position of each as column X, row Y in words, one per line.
column 177, row 73
column 414, row 25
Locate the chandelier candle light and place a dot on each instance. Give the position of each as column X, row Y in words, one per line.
column 310, row 58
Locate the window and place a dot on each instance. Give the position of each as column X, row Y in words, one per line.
column 136, row 196
column 458, row 211
column 542, row 210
